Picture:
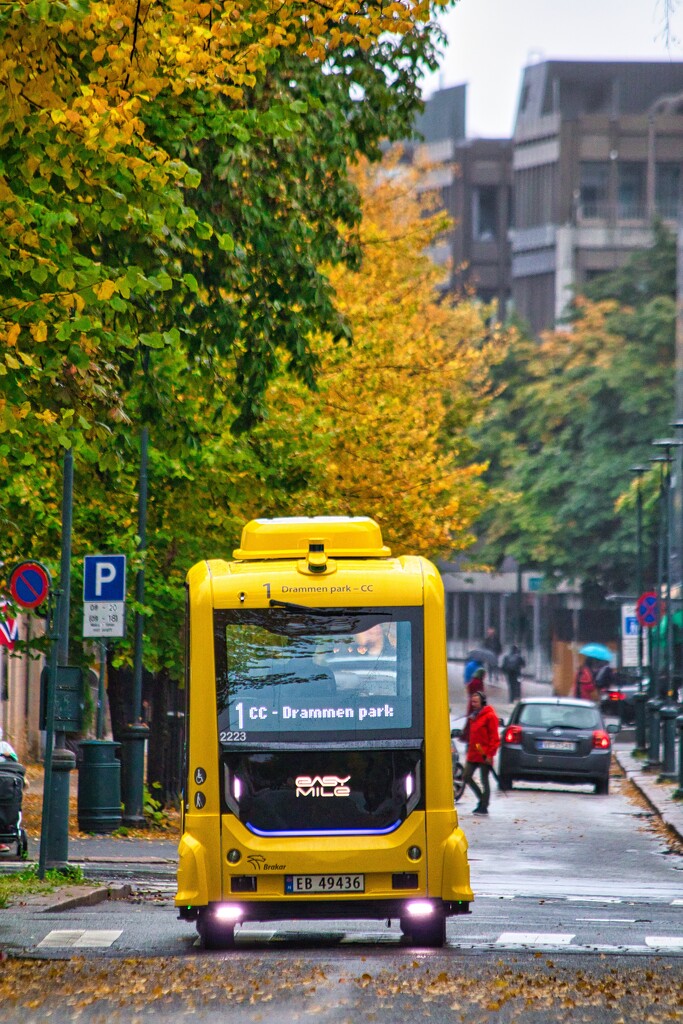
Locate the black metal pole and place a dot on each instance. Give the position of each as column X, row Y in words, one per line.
column 640, row 697
column 135, row 735
column 62, row 760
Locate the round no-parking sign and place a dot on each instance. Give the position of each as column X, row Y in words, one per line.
column 647, row 609
column 29, row 584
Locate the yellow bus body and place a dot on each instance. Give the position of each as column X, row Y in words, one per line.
column 321, row 563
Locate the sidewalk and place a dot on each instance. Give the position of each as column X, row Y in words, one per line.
column 660, row 795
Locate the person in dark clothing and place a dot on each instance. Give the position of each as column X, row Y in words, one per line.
column 512, row 666
column 492, row 643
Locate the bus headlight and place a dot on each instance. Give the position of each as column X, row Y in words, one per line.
column 414, row 852
column 228, row 912
column 420, row 908
column 234, row 856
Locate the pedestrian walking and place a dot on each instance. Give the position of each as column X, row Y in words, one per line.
column 584, row 684
column 475, row 685
column 481, row 734
column 492, row 643
column 512, row 665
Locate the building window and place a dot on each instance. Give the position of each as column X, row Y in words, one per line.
column 594, row 189
column 631, row 190
column 668, row 190
column 485, row 213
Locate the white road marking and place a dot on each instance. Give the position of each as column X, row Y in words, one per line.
column 78, row 938
column 609, row 920
column 664, row 941
column 593, row 899
column 534, row 939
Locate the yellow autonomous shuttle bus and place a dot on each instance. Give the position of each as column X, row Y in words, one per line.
column 318, row 767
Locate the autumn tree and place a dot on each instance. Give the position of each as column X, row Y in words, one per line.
column 386, row 433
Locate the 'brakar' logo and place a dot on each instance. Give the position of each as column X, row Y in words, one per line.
column 256, row 861
column 322, row 785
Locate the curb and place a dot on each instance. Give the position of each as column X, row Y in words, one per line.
column 73, row 897
column 659, row 795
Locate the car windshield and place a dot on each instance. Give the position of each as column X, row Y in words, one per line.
column 555, row 716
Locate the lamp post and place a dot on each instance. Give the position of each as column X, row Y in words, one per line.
column 668, row 709
column 640, row 697
column 654, row 703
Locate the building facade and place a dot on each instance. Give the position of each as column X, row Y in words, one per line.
column 597, row 155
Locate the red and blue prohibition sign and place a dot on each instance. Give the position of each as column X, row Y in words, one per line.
column 29, row 584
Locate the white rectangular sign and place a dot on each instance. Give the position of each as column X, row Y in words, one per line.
column 630, row 631
column 104, row 618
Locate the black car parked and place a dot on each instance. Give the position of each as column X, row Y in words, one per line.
column 556, row 739
column 618, row 699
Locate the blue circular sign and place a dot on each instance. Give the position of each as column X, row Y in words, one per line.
column 29, row 584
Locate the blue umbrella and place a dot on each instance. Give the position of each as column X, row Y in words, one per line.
column 598, row 651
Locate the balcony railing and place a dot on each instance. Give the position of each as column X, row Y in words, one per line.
column 626, row 211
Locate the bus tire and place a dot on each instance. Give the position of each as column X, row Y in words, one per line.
column 214, row 934
column 430, row 932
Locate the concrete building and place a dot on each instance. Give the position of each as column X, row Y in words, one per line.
column 597, row 155
column 474, row 180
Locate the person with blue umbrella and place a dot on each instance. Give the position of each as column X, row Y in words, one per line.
column 591, row 677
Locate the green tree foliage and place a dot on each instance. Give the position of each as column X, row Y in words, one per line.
column 173, row 182
column 575, row 410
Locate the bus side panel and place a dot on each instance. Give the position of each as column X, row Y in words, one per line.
column 448, row 867
column 199, row 865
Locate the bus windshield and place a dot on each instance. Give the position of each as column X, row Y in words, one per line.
column 289, row 674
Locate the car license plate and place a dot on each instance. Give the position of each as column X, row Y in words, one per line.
column 556, row 745
column 305, row 884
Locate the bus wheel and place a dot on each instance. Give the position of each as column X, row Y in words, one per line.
column 215, row 934
column 429, row 932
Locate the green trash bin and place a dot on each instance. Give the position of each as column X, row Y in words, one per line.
column 99, row 786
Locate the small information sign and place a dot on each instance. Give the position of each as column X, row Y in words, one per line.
column 630, row 631
column 104, row 618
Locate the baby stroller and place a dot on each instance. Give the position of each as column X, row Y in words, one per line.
column 12, row 781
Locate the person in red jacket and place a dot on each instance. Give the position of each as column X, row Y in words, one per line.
column 475, row 685
column 481, row 733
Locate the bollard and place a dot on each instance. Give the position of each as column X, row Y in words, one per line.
column 57, row 852
column 99, row 787
column 640, row 700
column 679, row 792
column 667, row 715
column 653, row 758
column 132, row 774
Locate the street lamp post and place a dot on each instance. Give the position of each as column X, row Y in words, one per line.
column 668, row 710
column 640, row 697
column 654, row 703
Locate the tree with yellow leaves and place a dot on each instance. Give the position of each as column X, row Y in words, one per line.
column 386, row 433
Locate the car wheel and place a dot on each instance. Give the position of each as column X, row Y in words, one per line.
column 602, row 787
column 429, row 932
column 458, row 781
column 505, row 783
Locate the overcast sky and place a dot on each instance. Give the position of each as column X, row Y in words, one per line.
column 491, row 41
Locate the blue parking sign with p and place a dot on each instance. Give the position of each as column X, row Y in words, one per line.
column 104, row 578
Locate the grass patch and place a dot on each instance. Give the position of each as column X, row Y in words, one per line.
column 27, row 883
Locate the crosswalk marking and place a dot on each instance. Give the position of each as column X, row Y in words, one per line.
column 534, row 939
column 78, row 938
